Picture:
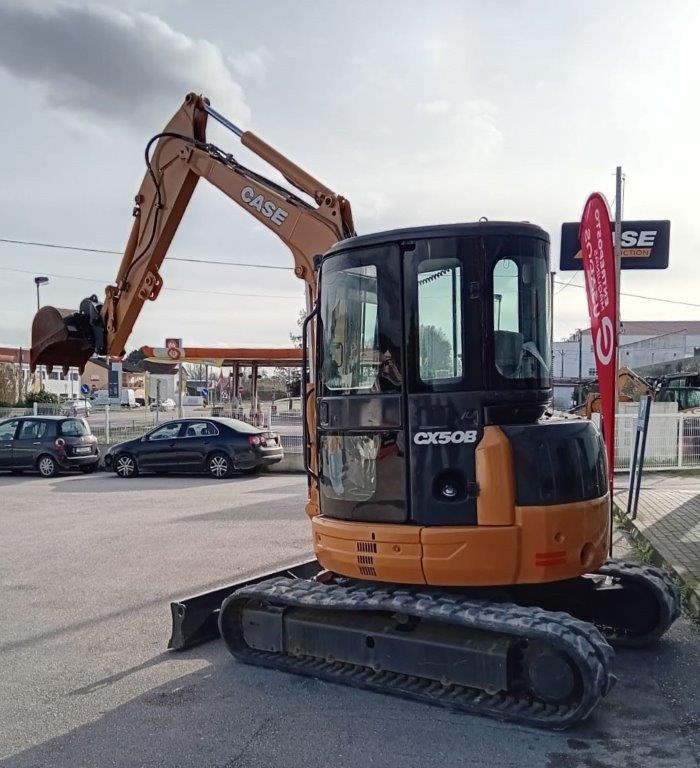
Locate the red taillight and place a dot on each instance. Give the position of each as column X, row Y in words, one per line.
column 60, row 444
column 255, row 440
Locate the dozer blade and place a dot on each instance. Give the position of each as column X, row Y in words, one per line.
column 60, row 337
column 196, row 618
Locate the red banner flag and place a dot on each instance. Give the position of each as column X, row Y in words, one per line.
column 597, row 250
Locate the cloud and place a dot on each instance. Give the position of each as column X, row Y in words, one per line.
column 252, row 64
column 437, row 107
column 100, row 62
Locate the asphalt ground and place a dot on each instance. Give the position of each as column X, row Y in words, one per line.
column 88, row 565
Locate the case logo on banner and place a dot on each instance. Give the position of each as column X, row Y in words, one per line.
column 597, row 250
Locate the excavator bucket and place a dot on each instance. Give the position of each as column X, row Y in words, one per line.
column 61, row 338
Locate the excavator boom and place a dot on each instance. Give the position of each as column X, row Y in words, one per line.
column 180, row 158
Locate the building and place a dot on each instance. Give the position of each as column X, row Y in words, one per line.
column 64, row 386
column 96, row 376
column 642, row 343
column 160, row 379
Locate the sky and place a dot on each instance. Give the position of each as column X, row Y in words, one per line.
column 419, row 113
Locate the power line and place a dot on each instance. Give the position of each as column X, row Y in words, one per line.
column 566, row 285
column 165, row 288
column 119, row 253
column 257, row 266
column 633, row 295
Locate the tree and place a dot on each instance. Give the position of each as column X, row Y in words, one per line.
column 435, row 353
column 40, row 397
column 9, row 389
column 289, row 379
column 135, row 357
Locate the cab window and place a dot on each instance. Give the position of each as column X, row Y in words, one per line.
column 521, row 307
column 360, row 349
column 439, row 320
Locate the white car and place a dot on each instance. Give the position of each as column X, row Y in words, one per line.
column 165, row 405
column 76, row 408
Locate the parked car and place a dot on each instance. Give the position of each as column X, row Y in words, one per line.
column 47, row 444
column 76, row 408
column 164, row 405
column 126, row 399
column 218, row 447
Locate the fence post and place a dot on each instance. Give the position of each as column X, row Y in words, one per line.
column 35, row 408
column 680, row 440
column 107, row 440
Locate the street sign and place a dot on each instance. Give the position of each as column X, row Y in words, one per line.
column 85, row 389
column 113, row 382
column 205, row 392
column 645, row 245
column 637, row 464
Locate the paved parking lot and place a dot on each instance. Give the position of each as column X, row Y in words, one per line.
column 87, row 567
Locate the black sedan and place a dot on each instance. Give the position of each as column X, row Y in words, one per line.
column 218, row 447
column 47, row 444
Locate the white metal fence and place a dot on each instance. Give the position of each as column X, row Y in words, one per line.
column 289, row 426
column 673, row 441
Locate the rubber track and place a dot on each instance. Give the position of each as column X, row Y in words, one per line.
column 580, row 641
column 665, row 592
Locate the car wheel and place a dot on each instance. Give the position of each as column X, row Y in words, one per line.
column 125, row 465
column 47, row 466
column 88, row 469
column 219, row 465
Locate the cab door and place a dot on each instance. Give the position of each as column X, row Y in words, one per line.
column 359, row 387
column 442, row 283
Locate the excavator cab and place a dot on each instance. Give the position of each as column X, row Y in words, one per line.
column 426, row 337
column 433, row 371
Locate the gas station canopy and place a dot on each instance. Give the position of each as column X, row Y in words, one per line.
column 224, row 357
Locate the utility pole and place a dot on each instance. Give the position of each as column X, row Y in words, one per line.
column 580, row 354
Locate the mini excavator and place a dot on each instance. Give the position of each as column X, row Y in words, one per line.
column 460, row 537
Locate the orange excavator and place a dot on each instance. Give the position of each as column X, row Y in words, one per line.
column 460, row 537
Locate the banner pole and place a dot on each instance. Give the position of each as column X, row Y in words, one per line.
column 618, row 274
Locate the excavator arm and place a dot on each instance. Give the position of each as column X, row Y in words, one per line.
column 181, row 157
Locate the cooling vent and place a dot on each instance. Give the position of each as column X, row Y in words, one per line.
column 365, row 561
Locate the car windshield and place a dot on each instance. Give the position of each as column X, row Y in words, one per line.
column 75, row 428
column 240, row 426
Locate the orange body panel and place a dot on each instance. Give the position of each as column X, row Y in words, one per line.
column 552, row 543
column 380, row 552
column 510, row 544
column 476, row 555
column 563, row 541
column 495, row 504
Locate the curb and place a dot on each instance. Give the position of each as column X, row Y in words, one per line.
column 690, row 588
